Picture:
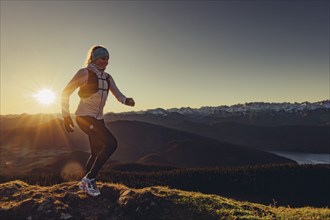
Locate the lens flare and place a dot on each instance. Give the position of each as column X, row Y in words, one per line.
column 72, row 171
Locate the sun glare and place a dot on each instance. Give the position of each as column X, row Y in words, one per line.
column 45, row 96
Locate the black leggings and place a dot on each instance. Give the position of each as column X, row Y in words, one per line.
column 102, row 143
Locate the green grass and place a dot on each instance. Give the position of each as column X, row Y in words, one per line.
column 201, row 206
column 19, row 200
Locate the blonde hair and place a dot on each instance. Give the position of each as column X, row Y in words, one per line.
column 90, row 52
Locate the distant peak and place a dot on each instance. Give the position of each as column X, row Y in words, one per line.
column 243, row 108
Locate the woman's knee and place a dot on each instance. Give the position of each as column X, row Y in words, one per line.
column 111, row 145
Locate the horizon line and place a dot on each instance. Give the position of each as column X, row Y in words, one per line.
column 234, row 105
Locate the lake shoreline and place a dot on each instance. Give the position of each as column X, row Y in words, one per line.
column 304, row 158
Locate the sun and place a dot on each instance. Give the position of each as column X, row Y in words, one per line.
column 45, row 96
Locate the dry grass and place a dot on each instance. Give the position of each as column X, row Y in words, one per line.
column 21, row 201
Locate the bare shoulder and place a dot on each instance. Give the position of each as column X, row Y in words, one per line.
column 82, row 73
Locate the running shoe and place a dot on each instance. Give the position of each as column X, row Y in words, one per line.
column 89, row 186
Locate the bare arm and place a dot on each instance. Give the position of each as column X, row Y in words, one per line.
column 79, row 79
column 119, row 96
column 116, row 92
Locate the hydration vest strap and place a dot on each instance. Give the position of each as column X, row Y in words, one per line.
column 92, row 85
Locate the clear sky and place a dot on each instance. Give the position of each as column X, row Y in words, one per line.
column 167, row 53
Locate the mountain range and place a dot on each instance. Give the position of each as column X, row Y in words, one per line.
column 210, row 136
column 255, row 113
column 245, row 108
column 25, row 149
column 298, row 127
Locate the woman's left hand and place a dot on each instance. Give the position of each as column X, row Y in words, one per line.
column 129, row 101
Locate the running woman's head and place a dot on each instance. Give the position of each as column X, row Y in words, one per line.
column 99, row 56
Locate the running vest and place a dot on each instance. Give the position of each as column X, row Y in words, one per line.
column 92, row 85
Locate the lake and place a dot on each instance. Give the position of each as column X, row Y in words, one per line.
column 304, row 158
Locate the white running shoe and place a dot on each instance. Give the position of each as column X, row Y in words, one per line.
column 89, row 186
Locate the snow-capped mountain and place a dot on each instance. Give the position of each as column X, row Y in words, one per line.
column 253, row 107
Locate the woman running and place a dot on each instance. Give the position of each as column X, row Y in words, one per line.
column 94, row 85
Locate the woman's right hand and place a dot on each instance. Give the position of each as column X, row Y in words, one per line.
column 68, row 124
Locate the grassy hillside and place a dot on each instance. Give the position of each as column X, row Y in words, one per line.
column 20, row 200
column 285, row 185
